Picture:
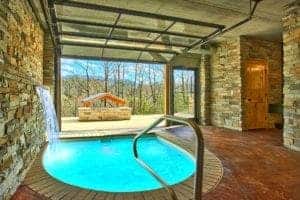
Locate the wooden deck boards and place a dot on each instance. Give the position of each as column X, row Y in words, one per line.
column 38, row 180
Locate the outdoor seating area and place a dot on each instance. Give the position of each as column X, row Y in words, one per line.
column 103, row 107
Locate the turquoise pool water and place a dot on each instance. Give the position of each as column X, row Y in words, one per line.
column 109, row 164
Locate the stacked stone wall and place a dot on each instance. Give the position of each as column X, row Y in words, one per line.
column 48, row 59
column 227, row 80
column 291, row 70
column 225, row 87
column 205, row 89
column 21, row 69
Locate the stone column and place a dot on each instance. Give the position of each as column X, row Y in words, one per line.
column 48, row 63
column 205, row 90
column 291, row 72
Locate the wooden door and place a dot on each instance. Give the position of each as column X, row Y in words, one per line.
column 256, row 94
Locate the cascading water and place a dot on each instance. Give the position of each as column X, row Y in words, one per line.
column 52, row 129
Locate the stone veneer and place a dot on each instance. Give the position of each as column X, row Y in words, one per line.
column 226, row 84
column 291, row 71
column 21, row 69
column 226, row 77
column 271, row 52
column 205, row 89
column 48, row 59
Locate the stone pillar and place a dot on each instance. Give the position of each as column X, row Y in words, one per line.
column 48, row 63
column 226, row 85
column 205, row 90
column 291, row 72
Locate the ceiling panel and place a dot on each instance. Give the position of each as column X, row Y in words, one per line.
column 136, row 21
column 101, row 31
column 83, row 14
column 126, row 44
column 65, row 38
column 191, row 29
column 266, row 22
column 112, row 54
column 134, row 34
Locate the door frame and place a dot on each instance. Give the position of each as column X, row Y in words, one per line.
column 196, row 90
column 265, row 63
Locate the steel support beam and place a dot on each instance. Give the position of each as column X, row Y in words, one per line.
column 53, row 23
column 48, row 21
column 156, row 38
column 57, row 63
column 157, row 56
column 35, row 10
column 159, row 35
column 222, row 31
column 111, row 32
column 137, row 13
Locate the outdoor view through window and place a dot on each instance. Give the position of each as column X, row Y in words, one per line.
column 140, row 85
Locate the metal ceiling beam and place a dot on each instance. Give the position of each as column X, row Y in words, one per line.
column 136, row 40
column 112, row 59
column 159, row 35
column 111, row 32
column 53, row 23
column 203, row 41
column 130, row 28
column 57, row 63
column 157, row 56
column 156, row 38
column 99, row 7
column 129, row 48
column 37, row 15
column 221, row 32
column 47, row 16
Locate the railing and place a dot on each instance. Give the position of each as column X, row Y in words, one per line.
column 199, row 155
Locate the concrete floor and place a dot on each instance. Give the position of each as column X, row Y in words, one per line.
column 256, row 165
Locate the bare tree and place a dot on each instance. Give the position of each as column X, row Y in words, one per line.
column 123, row 81
column 141, row 82
column 134, row 88
column 183, row 87
column 151, row 77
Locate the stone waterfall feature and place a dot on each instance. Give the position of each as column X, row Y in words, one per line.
column 52, row 129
